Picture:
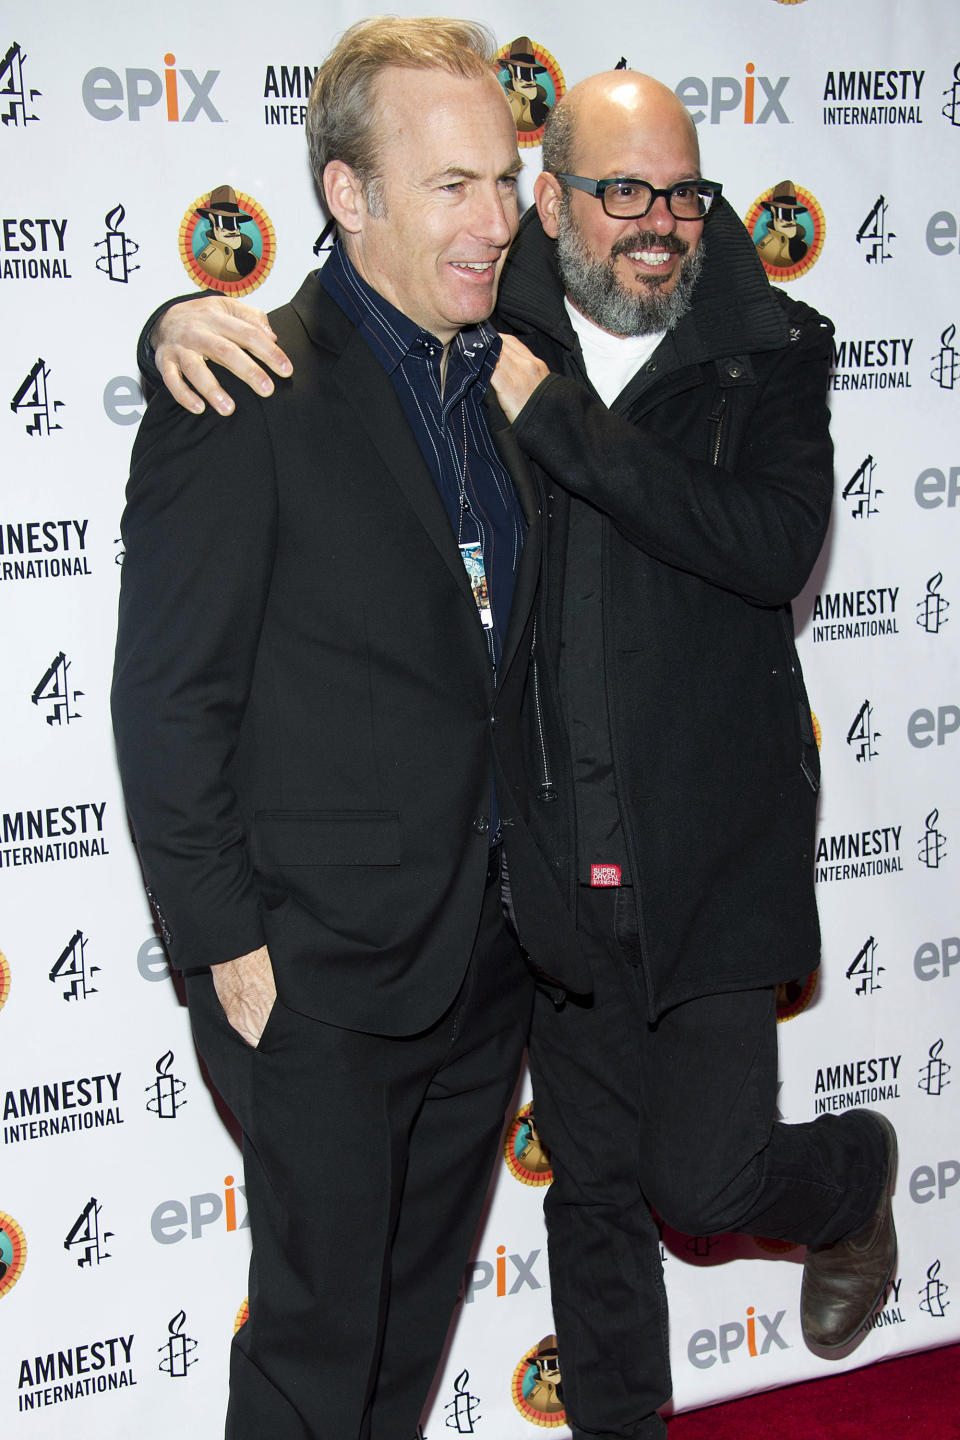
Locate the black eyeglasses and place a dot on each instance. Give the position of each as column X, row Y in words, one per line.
column 625, row 199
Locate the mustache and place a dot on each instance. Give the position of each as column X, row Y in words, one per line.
column 649, row 240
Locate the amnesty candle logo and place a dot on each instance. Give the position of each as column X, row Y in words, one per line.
column 13, row 1252
column 227, row 242
column 788, row 228
column 528, row 1159
column 166, row 1090
column 933, row 607
column 118, row 249
column 176, row 1353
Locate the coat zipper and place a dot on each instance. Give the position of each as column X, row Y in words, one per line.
column 716, row 418
column 547, row 789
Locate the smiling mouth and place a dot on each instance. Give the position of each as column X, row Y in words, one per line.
column 656, row 258
column 473, row 267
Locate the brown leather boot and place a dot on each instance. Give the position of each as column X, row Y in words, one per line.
column 843, row 1282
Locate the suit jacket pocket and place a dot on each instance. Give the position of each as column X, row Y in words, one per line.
column 284, row 838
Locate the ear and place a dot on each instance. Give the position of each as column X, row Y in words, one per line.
column 344, row 195
column 547, row 195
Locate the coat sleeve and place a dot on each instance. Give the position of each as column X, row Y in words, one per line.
column 199, row 534
column 755, row 529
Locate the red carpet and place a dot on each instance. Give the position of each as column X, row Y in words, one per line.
column 915, row 1396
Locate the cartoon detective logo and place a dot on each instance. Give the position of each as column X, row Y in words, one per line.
column 4, row 980
column 13, row 1252
column 242, row 1315
column 227, row 242
column 538, row 1386
column 795, row 996
column 532, row 82
column 528, row 1159
column 788, row 229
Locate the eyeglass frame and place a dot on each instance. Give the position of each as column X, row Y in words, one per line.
column 598, row 189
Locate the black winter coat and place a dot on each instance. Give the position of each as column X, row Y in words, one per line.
column 713, row 470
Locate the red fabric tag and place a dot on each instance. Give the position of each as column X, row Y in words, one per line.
column 601, row 875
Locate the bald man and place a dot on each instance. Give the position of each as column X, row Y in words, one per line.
column 675, row 404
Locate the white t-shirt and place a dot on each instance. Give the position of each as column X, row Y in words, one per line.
column 611, row 360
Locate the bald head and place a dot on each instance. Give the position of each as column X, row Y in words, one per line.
column 612, row 110
column 631, row 274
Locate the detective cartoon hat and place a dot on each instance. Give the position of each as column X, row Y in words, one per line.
column 223, row 201
column 784, row 197
column 521, row 53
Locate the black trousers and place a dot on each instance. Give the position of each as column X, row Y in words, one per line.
column 678, row 1116
column 366, row 1161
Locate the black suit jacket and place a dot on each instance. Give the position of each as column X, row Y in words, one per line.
column 303, row 701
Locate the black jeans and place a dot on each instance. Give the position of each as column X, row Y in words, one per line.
column 678, row 1116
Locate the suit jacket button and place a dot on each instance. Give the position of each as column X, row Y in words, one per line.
column 482, row 824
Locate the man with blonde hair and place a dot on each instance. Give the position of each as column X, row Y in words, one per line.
column 318, row 732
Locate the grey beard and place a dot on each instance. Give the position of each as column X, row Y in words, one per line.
column 597, row 291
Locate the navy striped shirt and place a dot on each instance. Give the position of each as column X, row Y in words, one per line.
column 449, row 424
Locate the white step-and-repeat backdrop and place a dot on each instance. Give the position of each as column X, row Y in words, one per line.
column 123, row 1240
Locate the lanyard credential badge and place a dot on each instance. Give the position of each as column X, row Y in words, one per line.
column 472, row 553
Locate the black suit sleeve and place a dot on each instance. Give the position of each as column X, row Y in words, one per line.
column 199, row 535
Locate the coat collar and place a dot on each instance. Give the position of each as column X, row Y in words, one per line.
column 735, row 309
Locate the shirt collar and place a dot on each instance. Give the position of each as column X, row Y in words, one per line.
column 391, row 335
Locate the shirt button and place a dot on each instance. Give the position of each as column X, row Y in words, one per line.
column 652, row 367
column 482, row 824
column 734, row 371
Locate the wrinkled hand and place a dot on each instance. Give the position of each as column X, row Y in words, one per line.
column 517, row 375
column 218, row 328
column 246, row 990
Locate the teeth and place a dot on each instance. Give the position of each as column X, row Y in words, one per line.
column 652, row 257
column 472, row 264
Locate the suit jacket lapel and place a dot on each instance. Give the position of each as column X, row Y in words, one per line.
column 528, row 571
column 367, row 389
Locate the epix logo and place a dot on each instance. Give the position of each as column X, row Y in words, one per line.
column 169, row 1221
column 512, row 1273
column 756, row 99
column 186, row 96
column 759, row 1334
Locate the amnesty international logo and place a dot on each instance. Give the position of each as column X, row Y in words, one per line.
column 528, row 1159
column 13, row 1252
column 227, row 242
column 532, row 82
column 4, row 980
column 788, row 228
column 537, row 1387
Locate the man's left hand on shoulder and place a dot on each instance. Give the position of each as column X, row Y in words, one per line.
column 517, row 375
